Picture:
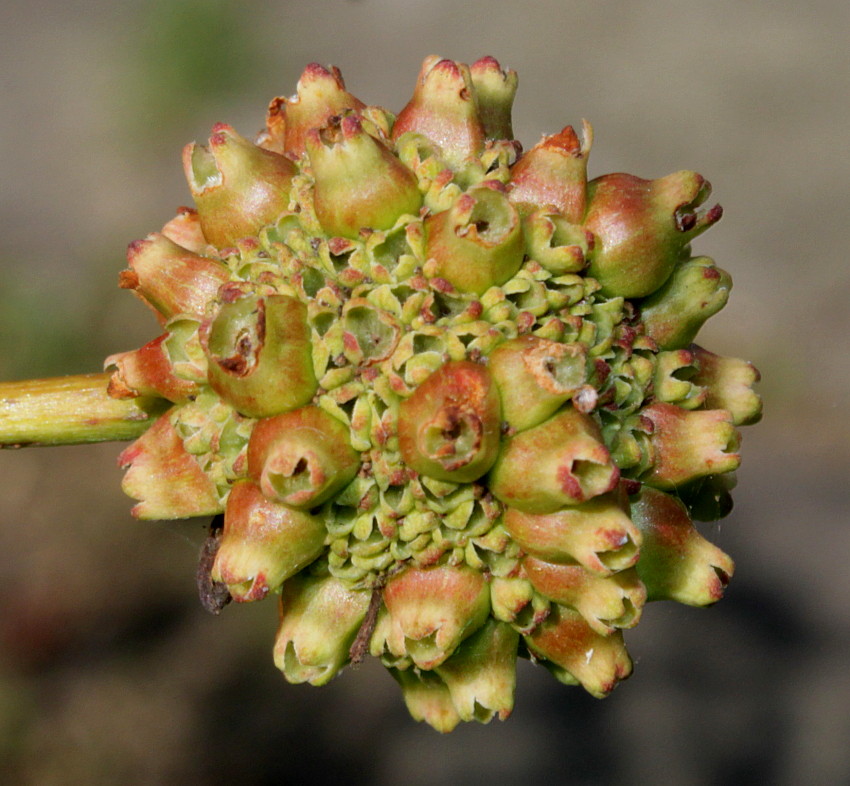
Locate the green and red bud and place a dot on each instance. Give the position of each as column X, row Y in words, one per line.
column 481, row 673
column 319, row 619
column 165, row 477
column 559, row 462
column 449, row 428
column 642, row 227
column 674, row 382
column 676, row 562
column 263, row 543
column 576, row 653
column 477, row 243
column 238, row 187
column 696, row 290
column 148, row 371
column 553, row 175
column 432, row 610
column 599, row 535
column 535, row 377
column 320, row 95
column 359, row 183
column 559, row 246
column 260, row 354
column 605, row 602
column 444, row 110
column 301, row 458
column 495, row 89
column 170, row 278
column 689, row 444
column 513, row 600
column 728, row 383
column 185, row 230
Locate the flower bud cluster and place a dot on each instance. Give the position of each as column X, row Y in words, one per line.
column 445, row 394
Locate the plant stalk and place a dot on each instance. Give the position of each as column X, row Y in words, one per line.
column 71, row 411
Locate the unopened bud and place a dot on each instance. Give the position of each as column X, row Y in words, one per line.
column 494, row 92
column 729, row 385
column 427, row 698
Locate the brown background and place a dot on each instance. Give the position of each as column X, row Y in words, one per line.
column 109, row 670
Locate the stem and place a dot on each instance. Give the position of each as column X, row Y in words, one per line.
column 70, row 411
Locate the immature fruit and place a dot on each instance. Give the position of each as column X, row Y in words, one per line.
column 445, row 394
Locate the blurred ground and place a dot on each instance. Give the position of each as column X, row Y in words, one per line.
column 109, row 670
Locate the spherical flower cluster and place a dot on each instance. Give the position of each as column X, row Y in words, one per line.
column 444, row 393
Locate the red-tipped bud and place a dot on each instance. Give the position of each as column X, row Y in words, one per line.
column 578, row 654
column 444, row 110
column 558, row 245
column 238, row 187
column 319, row 96
column 535, row 377
column 554, row 174
column 689, row 445
column 696, row 290
column 729, row 385
column 428, row 699
column 359, row 184
column 513, row 600
column 477, row 243
column 170, row 278
column 495, row 89
column 319, row 619
column 642, row 226
column 148, row 371
column 598, row 535
column 432, row 610
column 481, row 674
column 449, row 428
column 167, row 480
column 260, row 356
column 606, row 603
column 676, row 562
column 301, row 458
column 264, row 543
column 560, row 462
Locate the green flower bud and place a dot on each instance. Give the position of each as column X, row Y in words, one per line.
column 513, row 600
column 148, row 371
column 558, row 245
column 433, row 609
column 554, row 174
column 444, row 110
column 689, row 445
column 729, row 385
column 642, row 227
column 264, row 543
column 676, row 562
column 598, row 535
column 481, row 674
column 674, row 375
column 535, row 377
column 319, row 620
column 171, row 279
column 605, row 602
column 302, row 458
column 560, row 462
column 575, row 653
column 449, row 428
column 167, row 480
column 427, row 699
column 477, row 243
column 696, row 290
column 238, row 187
column 260, row 355
column 494, row 93
column 359, row 183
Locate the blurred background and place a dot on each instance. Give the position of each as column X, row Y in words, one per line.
column 110, row 671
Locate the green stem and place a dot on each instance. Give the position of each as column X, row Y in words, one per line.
column 70, row 411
